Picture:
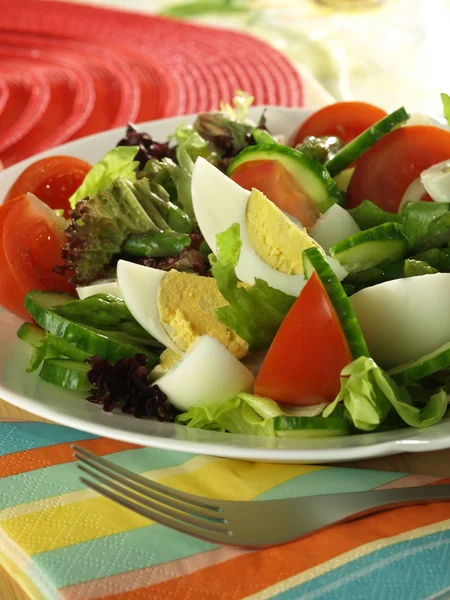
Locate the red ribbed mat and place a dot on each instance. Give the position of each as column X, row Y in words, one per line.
column 68, row 70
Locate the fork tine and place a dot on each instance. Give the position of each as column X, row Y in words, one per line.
column 183, row 506
column 216, row 526
column 154, row 512
column 164, row 490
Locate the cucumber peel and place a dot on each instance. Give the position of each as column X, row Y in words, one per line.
column 314, row 261
column 422, row 367
column 312, row 177
column 366, row 249
column 354, row 149
column 306, row 427
column 66, row 373
column 111, row 346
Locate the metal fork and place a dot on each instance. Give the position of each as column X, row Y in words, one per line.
column 240, row 523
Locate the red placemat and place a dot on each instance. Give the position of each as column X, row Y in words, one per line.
column 68, row 70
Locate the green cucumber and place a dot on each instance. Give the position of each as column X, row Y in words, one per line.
column 35, row 336
column 354, row 149
column 312, row 177
column 422, row 367
column 66, row 373
column 31, row 334
column 313, row 260
column 306, row 427
column 366, row 249
column 111, row 346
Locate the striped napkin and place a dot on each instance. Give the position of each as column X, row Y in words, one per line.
column 61, row 540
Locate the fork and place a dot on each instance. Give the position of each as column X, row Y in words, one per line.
column 246, row 524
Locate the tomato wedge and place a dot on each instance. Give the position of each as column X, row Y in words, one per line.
column 31, row 240
column 345, row 120
column 308, row 353
column 386, row 170
column 274, row 181
column 53, row 180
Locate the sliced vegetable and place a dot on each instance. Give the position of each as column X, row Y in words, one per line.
column 31, row 241
column 306, row 427
column 223, row 376
column 368, row 395
column 365, row 140
column 334, row 226
column 53, row 180
column 119, row 162
column 112, row 345
column 309, row 351
column 371, row 247
column 426, row 365
column 66, row 373
column 404, row 319
column 297, row 184
column 315, row 262
column 385, row 171
column 255, row 312
column 345, row 120
column 436, row 181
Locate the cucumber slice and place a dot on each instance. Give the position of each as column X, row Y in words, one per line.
column 66, row 373
column 34, row 335
column 428, row 364
column 312, row 177
column 306, row 427
column 111, row 346
column 31, row 334
column 365, row 140
column 384, row 243
column 314, row 261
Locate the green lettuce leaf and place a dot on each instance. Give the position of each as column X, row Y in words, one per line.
column 426, row 224
column 368, row 395
column 254, row 312
column 368, row 215
column 119, row 162
column 245, row 414
column 446, row 106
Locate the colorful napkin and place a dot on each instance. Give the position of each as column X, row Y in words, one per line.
column 61, row 540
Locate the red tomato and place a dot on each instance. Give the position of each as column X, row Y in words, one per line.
column 308, row 353
column 31, row 241
column 274, row 180
column 386, row 170
column 345, row 120
column 53, row 180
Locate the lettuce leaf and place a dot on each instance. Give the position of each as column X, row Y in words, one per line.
column 369, row 394
column 119, row 162
column 368, row 215
column 426, row 224
column 254, row 312
column 246, row 414
column 414, row 267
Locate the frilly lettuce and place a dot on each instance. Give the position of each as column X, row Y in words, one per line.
column 369, row 394
column 119, row 162
column 254, row 312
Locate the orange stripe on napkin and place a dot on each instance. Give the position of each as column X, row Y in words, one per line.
column 266, row 568
column 48, row 456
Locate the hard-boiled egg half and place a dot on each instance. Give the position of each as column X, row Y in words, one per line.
column 206, row 374
column 176, row 308
column 272, row 244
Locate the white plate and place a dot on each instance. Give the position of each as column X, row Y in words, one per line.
column 68, row 408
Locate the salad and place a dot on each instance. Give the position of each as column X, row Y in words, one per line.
column 231, row 280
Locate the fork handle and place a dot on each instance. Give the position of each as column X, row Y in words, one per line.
column 358, row 504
